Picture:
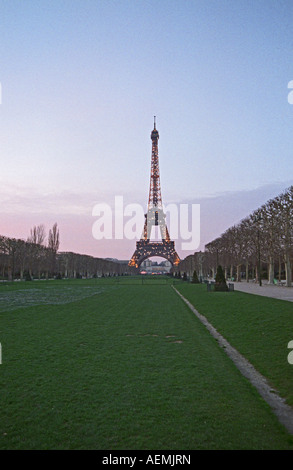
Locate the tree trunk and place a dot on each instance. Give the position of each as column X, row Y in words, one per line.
column 238, row 274
column 271, row 271
column 247, row 271
column 288, row 270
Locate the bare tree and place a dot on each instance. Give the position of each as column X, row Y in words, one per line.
column 35, row 247
column 37, row 235
column 53, row 246
column 53, row 239
column 285, row 202
column 264, row 236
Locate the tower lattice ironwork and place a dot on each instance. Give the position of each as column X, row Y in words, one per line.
column 154, row 217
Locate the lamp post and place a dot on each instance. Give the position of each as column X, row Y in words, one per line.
column 257, row 219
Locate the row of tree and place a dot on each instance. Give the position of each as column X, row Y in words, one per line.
column 259, row 246
column 36, row 258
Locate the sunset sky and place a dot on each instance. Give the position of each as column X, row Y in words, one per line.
column 81, row 81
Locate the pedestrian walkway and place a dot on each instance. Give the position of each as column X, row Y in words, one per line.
column 277, row 292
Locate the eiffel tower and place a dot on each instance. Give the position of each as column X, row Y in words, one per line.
column 154, row 217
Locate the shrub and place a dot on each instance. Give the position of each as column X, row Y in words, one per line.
column 195, row 278
column 220, row 284
column 27, row 276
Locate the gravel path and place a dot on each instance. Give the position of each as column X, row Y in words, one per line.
column 277, row 403
column 277, row 292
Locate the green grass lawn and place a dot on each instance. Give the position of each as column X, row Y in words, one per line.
column 258, row 327
column 101, row 364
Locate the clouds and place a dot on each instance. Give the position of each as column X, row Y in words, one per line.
column 23, row 200
column 24, row 207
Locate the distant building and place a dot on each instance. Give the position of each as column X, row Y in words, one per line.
column 150, row 266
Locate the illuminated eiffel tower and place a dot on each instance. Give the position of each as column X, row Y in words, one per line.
column 154, row 217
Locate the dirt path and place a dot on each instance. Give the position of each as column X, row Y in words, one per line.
column 277, row 403
column 277, row 292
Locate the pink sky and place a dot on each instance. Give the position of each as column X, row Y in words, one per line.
column 22, row 209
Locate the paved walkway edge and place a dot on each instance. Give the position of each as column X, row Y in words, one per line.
column 283, row 411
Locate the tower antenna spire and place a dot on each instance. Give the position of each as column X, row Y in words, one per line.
column 154, row 122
